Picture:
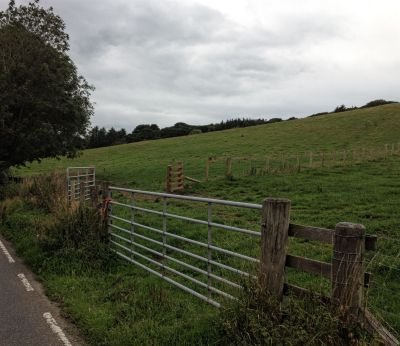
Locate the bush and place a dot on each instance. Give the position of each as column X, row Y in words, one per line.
column 379, row 102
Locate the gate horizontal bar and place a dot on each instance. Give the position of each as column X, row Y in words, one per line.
column 190, row 198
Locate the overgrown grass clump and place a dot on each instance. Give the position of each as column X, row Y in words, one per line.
column 259, row 319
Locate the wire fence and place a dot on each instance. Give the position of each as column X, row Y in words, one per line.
column 257, row 165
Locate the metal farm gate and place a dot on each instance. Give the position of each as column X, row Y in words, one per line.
column 79, row 182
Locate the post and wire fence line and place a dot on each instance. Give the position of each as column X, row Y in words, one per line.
column 290, row 163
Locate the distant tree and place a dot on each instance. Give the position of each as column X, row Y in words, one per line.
column 144, row 132
column 102, row 139
column 274, row 120
column 379, row 102
column 121, row 134
column 92, row 137
column 44, row 103
column 341, row 108
column 179, row 129
column 112, row 136
column 318, row 114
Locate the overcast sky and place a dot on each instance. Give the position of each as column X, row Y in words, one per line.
column 202, row 61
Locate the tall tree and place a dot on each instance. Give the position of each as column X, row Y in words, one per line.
column 45, row 105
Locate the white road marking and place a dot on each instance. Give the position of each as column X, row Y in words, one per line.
column 5, row 252
column 56, row 329
column 25, row 282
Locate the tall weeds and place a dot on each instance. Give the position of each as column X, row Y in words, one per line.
column 71, row 235
column 258, row 319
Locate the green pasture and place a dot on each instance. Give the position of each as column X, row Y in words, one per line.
column 144, row 164
column 364, row 192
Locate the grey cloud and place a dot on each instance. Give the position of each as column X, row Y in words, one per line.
column 169, row 61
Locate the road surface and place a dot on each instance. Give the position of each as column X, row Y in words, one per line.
column 27, row 317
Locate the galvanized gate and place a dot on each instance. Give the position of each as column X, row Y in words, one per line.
column 79, row 182
column 186, row 257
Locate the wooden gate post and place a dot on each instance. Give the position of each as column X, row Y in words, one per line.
column 274, row 243
column 347, row 267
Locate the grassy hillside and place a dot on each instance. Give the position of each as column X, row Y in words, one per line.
column 144, row 164
column 365, row 193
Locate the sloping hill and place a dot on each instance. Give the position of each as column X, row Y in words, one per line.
column 365, row 193
column 143, row 164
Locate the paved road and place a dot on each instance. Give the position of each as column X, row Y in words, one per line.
column 27, row 317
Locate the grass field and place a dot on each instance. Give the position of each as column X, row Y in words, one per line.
column 366, row 192
column 144, row 164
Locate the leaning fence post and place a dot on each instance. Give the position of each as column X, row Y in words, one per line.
column 274, row 242
column 347, row 267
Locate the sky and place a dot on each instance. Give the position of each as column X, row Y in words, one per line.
column 203, row 61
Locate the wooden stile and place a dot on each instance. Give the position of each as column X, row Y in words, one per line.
column 175, row 178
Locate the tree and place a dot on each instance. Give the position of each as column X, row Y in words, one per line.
column 378, row 102
column 45, row 105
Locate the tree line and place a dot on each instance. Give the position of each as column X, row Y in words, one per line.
column 344, row 108
column 101, row 137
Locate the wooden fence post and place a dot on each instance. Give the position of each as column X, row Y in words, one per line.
column 274, row 243
column 207, row 168
column 347, row 268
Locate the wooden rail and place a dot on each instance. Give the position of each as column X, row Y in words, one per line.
column 325, row 235
column 346, row 270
